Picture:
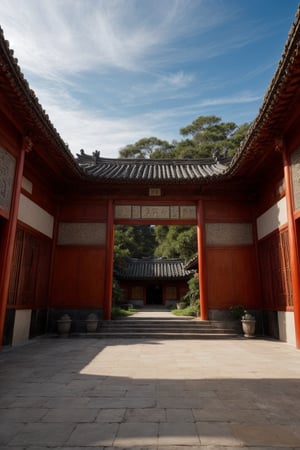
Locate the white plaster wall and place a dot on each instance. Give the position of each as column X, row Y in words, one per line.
column 272, row 219
column 21, row 326
column 286, row 327
column 35, row 216
column 27, row 185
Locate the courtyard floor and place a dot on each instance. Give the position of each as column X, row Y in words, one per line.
column 141, row 394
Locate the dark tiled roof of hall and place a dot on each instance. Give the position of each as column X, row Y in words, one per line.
column 151, row 170
column 154, row 268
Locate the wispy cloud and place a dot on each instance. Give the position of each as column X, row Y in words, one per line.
column 67, row 36
column 91, row 130
column 109, row 72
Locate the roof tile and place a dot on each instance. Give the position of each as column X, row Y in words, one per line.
column 154, row 268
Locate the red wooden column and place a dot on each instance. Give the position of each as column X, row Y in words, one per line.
column 201, row 262
column 293, row 242
column 10, row 232
column 109, row 261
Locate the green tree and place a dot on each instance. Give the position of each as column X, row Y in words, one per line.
column 176, row 241
column 209, row 136
column 205, row 137
column 148, row 148
column 134, row 241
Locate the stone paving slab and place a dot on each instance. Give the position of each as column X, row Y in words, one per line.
column 71, row 394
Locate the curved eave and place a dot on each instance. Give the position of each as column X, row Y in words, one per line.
column 154, row 171
column 273, row 115
column 154, row 269
column 35, row 120
column 182, row 278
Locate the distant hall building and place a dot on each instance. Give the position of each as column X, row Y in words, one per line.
column 154, row 281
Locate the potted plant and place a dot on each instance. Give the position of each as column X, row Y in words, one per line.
column 248, row 324
column 91, row 323
column 64, row 325
column 237, row 311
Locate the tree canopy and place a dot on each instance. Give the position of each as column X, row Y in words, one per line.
column 134, row 241
column 140, row 241
column 205, row 137
column 151, row 147
column 175, row 241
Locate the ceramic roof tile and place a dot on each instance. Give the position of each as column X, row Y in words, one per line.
column 147, row 170
column 156, row 268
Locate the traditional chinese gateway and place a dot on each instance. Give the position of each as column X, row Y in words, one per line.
column 57, row 213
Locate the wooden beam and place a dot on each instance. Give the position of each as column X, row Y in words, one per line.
column 201, row 262
column 109, row 261
column 293, row 242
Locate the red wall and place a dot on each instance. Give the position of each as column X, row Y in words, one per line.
column 79, row 272
column 232, row 271
column 232, row 277
column 78, row 277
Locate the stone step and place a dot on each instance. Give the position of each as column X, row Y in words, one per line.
column 151, row 328
column 161, row 335
column 190, row 326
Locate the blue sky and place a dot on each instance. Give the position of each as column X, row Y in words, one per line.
column 110, row 72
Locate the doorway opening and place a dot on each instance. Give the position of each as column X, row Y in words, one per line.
column 149, row 263
column 154, row 295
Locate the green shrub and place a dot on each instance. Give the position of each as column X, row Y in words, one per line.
column 237, row 311
column 117, row 312
column 188, row 311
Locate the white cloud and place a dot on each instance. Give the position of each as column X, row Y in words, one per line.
column 59, row 43
column 59, row 37
column 91, row 130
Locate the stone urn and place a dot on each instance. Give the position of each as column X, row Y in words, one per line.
column 91, row 323
column 64, row 325
column 248, row 325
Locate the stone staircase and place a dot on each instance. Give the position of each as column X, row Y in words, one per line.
column 164, row 328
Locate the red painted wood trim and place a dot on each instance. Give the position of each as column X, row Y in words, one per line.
column 9, row 234
column 109, row 261
column 293, row 244
column 201, row 262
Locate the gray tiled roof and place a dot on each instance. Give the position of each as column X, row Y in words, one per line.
column 151, row 170
column 192, row 263
column 156, row 268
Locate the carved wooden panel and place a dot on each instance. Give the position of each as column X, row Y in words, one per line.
column 225, row 234
column 155, row 212
column 123, row 211
column 188, row 212
column 72, row 233
column 295, row 163
column 7, row 173
column 160, row 212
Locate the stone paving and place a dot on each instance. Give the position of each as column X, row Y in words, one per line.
column 86, row 393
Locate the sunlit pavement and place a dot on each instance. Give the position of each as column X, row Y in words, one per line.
column 177, row 394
